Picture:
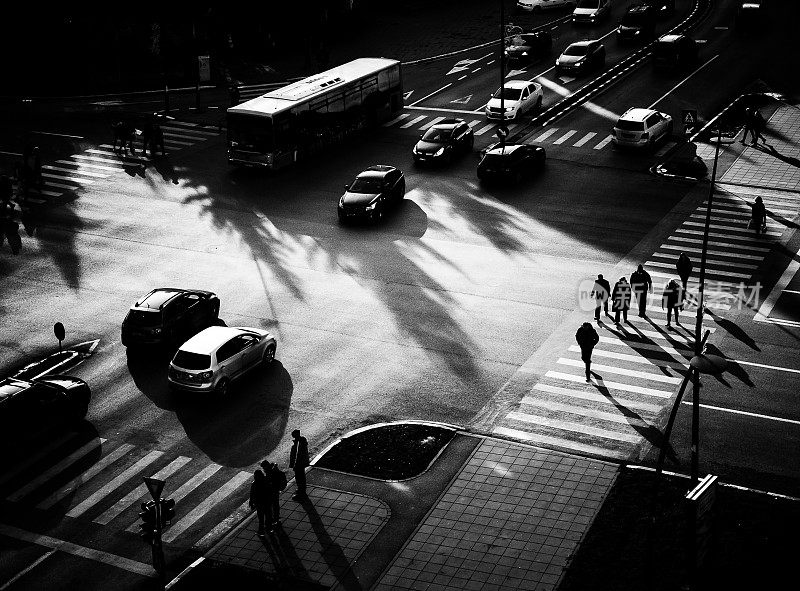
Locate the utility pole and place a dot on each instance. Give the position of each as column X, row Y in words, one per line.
column 502, row 69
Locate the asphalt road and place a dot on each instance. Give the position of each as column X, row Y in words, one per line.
column 428, row 315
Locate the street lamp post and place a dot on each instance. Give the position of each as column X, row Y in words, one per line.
column 502, row 68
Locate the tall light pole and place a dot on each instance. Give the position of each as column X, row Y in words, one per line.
column 502, row 69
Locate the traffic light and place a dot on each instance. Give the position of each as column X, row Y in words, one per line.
column 167, row 511
column 148, row 525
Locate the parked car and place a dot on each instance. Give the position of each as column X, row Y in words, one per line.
column 673, row 52
column 588, row 12
column 168, row 316
column 28, row 406
column 638, row 24
column 518, row 97
column 443, row 141
column 528, row 47
column 372, row 194
column 581, row 56
column 213, row 358
column 539, row 5
column 641, row 128
column 511, row 162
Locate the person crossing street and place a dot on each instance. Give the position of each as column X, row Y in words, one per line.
column 587, row 338
column 601, row 293
column 642, row 285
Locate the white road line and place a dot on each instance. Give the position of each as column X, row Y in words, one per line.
column 133, row 566
column 140, row 491
column 563, row 443
column 738, row 229
column 397, row 119
column 572, row 427
column 741, row 207
column 427, row 96
column 113, row 484
column 793, row 291
column 565, row 137
column 594, row 397
column 641, row 359
column 699, row 240
column 584, row 139
column 169, row 142
column 200, row 510
column 609, row 385
column 86, row 165
column 464, row 76
column 75, row 137
column 52, row 471
column 182, row 135
column 636, row 346
column 75, row 170
column 789, row 369
column 26, row 570
column 485, row 128
column 432, row 122
column 95, row 469
column 475, row 122
column 30, row 460
column 603, row 143
column 765, row 309
column 585, row 411
column 546, row 134
column 709, row 262
column 744, row 412
column 67, row 178
column 413, row 121
column 745, row 239
column 98, row 159
column 60, row 186
column 682, row 81
column 710, row 272
column 599, row 367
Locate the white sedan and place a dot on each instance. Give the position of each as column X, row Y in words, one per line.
column 518, row 97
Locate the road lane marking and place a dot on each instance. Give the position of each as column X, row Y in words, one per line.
column 75, row 137
column 565, row 137
column 735, row 229
column 789, row 369
column 397, row 119
column 60, row 186
column 113, row 484
column 546, row 134
column 610, row 385
column 80, row 181
column 641, row 359
column 586, row 411
column 710, row 262
column 584, row 139
column 27, row 569
column 622, row 371
column 561, row 443
column 464, row 76
column 682, row 81
column 133, row 566
column 87, row 165
column 431, row 123
column 200, row 510
column 572, row 427
column 413, row 121
column 699, row 240
column 449, row 84
column 74, row 170
column 744, row 412
column 596, row 397
column 603, row 144
column 794, row 291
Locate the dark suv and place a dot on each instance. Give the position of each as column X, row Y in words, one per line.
column 510, row 162
column 674, row 52
column 529, row 47
column 638, row 24
column 169, row 316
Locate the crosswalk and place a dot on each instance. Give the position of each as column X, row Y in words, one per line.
column 95, row 164
column 639, row 365
column 101, row 481
column 573, row 138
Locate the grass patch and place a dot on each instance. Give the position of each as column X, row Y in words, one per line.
column 391, row 452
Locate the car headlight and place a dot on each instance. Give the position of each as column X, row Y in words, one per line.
column 558, row 62
column 341, row 201
column 525, row 53
column 234, row 144
column 636, row 31
column 439, row 152
column 155, row 330
column 415, row 150
column 580, row 62
column 372, row 206
column 206, row 375
column 509, row 109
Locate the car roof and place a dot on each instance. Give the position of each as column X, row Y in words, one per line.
column 156, row 299
column 448, row 123
column 517, row 83
column 640, row 8
column 508, row 149
column 583, row 43
column 672, row 38
column 11, row 386
column 637, row 114
column 207, row 341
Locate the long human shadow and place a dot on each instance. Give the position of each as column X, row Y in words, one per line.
column 772, row 151
column 287, row 563
column 734, row 330
column 331, row 551
column 732, row 368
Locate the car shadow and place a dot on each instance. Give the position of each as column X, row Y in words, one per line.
column 148, row 368
column 246, row 425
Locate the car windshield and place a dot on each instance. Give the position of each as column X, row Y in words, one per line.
column 9, row 388
column 576, row 50
column 437, row 134
column 634, row 19
column 144, row 317
column 626, row 125
column 510, row 94
column 589, row 4
column 188, row 360
column 366, row 185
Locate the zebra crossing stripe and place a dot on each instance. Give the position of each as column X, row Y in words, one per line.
column 413, row 121
column 169, row 142
column 53, row 470
column 32, row 459
column 60, row 186
column 431, row 123
column 709, row 272
column 744, row 239
column 738, row 229
column 636, row 346
column 572, row 427
column 546, row 134
column 88, row 165
column 565, row 137
column 633, row 373
column 132, row 497
column 200, row 510
column 594, row 397
column 186, row 135
column 97, row 159
column 604, row 384
column 744, row 208
column 675, row 247
column 561, row 443
column 603, row 144
column 699, row 240
column 709, row 262
column 474, row 122
column 584, row 139
column 397, row 119
column 73, row 179
column 113, row 484
column 585, row 411
column 223, row 526
column 96, row 468
column 484, row 129
column 74, row 170
column 632, row 358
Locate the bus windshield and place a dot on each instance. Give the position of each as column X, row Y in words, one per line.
column 251, row 132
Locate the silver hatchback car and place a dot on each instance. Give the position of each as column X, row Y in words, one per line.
column 213, row 358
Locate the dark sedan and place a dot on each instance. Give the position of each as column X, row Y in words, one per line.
column 169, row 316
column 42, row 403
column 372, row 194
column 581, row 56
column 511, row 162
column 443, row 141
column 528, row 47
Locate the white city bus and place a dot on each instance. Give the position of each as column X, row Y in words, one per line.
column 287, row 124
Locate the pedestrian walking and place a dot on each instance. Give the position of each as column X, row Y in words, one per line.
column 757, row 127
column 602, row 293
column 298, row 461
column 671, row 300
column 642, row 285
column 749, row 121
column 587, row 338
column 621, row 299
column 276, row 484
column 758, row 220
column 259, row 498
column 684, row 267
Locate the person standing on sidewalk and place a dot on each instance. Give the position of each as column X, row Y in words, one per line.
column 602, row 293
column 684, row 267
column 671, row 300
column 298, row 461
column 642, row 285
column 621, row 299
column 758, row 220
column 259, row 498
column 587, row 338
column 757, row 127
column 749, row 121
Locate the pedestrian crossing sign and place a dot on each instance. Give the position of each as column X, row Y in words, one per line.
column 689, row 119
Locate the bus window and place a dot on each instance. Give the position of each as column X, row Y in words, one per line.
column 250, row 133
